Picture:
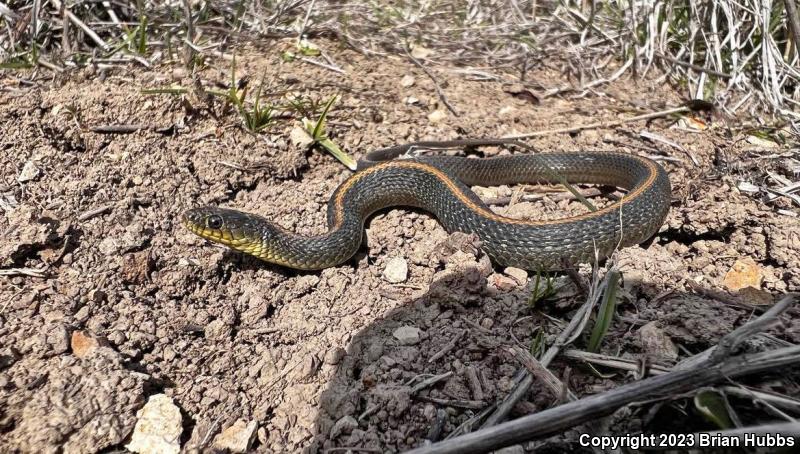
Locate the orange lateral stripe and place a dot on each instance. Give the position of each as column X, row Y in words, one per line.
column 480, row 211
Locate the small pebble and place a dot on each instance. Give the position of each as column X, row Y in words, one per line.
column 237, row 438
column 345, row 425
column 437, row 116
column 396, row 270
column 334, row 356
column 407, row 335
column 519, row 275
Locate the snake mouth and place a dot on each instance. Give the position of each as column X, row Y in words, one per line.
column 226, row 232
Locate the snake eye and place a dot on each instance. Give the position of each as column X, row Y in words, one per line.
column 214, row 222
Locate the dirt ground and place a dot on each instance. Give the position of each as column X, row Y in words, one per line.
column 316, row 358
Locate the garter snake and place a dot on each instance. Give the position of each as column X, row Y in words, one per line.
column 440, row 185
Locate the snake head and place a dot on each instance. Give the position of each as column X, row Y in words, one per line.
column 241, row 231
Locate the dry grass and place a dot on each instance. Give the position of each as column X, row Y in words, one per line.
column 740, row 55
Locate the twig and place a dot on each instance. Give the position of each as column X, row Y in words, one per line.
column 612, row 361
column 659, row 138
column 322, row 65
column 474, row 382
column 557, row 197
column 694, row 67
column 89, row 32
column 436, row 85
column 537, row 369
column 460, row 403
column 30, row 272
column 449, row 346
column 557, row 419
column 305, row 21
column 95, row 212
column 117, row 129
column 794, row 23
column 430, row 381
column 769, row 318
column 602, row 124
column 525, row 379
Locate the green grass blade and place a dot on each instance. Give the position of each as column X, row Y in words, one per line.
column 711, row 404
column 319, row 129
column 605, row 314
column 334, row 149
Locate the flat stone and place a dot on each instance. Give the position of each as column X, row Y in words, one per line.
column 501, row 282
column 519, row 275
column 344, row 425
column 744, row 273
column 158, row 428
column 437, row 116
column 334, row 356
column 396, row 270
column 237, row 438
column 656, row 343
column 407, row 335
column 407, row 81
column 29, row 172
column 300, row 138
column 83, row 344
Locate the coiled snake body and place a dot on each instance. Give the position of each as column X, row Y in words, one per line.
column 440, row 185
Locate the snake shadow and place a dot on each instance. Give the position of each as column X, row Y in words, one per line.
column 457, row 335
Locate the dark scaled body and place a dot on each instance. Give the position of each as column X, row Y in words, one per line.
column 440, row 185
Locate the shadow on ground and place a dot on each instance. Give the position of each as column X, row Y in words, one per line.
column 457, row 334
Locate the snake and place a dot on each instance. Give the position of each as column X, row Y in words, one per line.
column 440, row 185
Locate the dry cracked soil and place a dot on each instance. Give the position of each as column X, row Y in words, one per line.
column 330, row 359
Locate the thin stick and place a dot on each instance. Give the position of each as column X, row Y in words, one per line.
column 322, row 65
column 95, row 212
column 525, row 378
column 794, row 23
column 557, row 419
column 305, row 21
column 695, row 67
column 602, row 124
column 117, row 129
column 89, row 32
column 679, row 381
column 30, row 272
column 449, row 346
column 438, row 88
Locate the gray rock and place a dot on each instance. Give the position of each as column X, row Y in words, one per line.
column 407, row 335
column 345, row 425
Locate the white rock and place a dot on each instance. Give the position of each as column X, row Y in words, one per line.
column 396, row 270
column 407, row 81
column 420, row 52
column 300, row 138
column 436, row 116
column 407, row 335
column 29, row 172
column 519, row 275
column 236, row 438
column 158, row 427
